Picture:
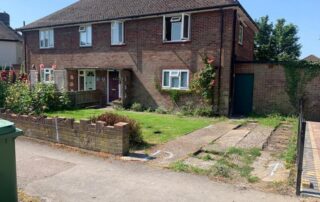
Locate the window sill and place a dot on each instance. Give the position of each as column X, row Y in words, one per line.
column 181, row 89
column 176, row 42
column 117, row 45
column 46, row 48
column 88, row 46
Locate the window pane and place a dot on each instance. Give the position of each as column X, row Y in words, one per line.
column 115, row 39
column 81, row 82
column 168, row 29
column 186, row 27
column 174, row 82
column 184, row 79
column 165, row 79
column 83, row 38
column 176, row 31
column 51, row 38
column 89, row 35
column 120, row 32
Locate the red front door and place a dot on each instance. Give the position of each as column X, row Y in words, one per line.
column 113, row 85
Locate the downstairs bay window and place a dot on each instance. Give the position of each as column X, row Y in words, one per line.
column 86, row 80
column 176, row 28
column 175, row 79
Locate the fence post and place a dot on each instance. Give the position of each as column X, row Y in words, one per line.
column 301, row 140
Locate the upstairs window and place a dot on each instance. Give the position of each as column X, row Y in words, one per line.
column 175, row 79
column 117, row 33
column 47, row 75
column 176, row 28
column 241, row 35
column 46, row 38
column 85, row 35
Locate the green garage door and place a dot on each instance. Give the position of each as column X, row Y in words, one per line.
column 243, row 96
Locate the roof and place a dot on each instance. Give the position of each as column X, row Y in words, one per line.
column 312, row 58
column 86, row 11
column 8, row 34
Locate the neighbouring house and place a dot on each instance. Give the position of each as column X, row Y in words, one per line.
column 126, row 50
column 11, row 45
column 312, row 58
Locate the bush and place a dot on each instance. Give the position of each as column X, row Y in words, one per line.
column 41, row 98
column 203, row 111
column 3, row 92
column 19, row 99
column 161, row 110
column 134, row 127
column 137, row 107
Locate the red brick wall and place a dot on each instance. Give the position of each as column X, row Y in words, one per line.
column 245, row 52
column 270, row 94
column 143, row 52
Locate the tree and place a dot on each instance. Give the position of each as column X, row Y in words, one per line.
column 276, row 43
column 262, row 43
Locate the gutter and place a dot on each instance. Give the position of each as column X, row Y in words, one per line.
column 204, row 9
column 233, row 59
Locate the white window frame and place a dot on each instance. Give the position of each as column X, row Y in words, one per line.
column 182, row 38
column 123, row 34
column 85, row 71
column 241, row 32
column 45, row 72
column 180, row 71
column 88, row 32
column 42, row 36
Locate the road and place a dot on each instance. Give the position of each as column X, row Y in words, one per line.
column 57, row 174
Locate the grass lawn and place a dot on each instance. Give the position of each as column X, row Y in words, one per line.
column 156, row 128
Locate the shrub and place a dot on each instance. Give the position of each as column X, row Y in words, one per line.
column 41, row 98
column 19, row 99
column 134, row 127
column 188, row 109
column 3, row 92
column 161, row 110
column 203, row 111
column 137, row 107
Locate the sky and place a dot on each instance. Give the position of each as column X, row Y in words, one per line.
column 303, row 13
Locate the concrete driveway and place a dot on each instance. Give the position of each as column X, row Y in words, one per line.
column 60, row 175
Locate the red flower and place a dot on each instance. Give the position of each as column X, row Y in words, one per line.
column 54, row 66
column 210, row 60
column 41, row 66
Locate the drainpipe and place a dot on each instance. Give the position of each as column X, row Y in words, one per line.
column 25, row 52
column 220, row 63
column 233, row 58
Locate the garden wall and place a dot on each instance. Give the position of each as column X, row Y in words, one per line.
column 270, row 94
column 85, row 135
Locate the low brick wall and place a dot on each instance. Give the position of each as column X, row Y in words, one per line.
column 83, row 134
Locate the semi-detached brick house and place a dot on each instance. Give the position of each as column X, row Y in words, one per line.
column 125, row 49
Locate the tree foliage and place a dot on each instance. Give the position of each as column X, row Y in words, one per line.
column 279, row 42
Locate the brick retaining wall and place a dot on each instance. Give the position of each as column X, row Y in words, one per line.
column 83, row 134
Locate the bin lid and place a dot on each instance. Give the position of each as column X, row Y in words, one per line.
column 6, row 127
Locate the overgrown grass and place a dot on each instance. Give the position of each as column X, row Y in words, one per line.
column 271, row 120
column 156, row 128
column 234, row 163
column 290, row 154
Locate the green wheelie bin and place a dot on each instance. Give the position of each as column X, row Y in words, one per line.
column 8, row 176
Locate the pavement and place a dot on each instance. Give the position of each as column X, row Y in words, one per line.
column 57, row 174
column 311, row 160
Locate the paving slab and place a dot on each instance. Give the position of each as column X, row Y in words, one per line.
column 180, row 148
column 230, row 139
column 257, row 138
column 199, row 163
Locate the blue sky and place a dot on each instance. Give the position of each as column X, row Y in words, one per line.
column 304, row 13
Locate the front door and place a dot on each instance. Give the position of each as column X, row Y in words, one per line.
column 243, row 97
column 113, row 85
